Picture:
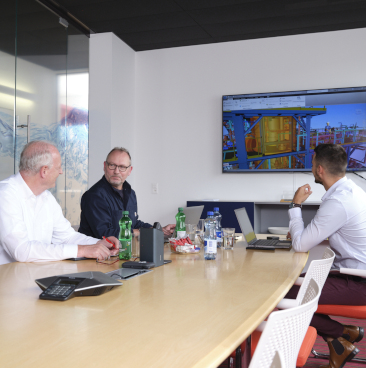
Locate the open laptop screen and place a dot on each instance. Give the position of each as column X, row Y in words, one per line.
column 193, row 214
column 245, row 225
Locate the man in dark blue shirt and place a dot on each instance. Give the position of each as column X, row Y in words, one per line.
column 103, row 203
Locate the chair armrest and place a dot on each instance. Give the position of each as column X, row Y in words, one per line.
column 287, row 303
column 299, row 281
column 353, row 272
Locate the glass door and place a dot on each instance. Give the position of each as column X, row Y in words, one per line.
column 41, row 56
column 76, row 116
column 44, row 88
column 7, row 88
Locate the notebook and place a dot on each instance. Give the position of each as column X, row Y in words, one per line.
column 250, row 237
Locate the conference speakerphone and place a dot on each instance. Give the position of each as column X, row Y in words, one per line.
column 64, row 287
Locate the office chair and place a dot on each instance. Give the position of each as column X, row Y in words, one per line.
column 350, row 311
column 318, row 270
column 285, row 330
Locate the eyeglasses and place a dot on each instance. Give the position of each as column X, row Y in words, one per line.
column 108, row 261
column 120, row 168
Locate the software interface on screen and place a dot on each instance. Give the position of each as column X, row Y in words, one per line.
column 279, row 131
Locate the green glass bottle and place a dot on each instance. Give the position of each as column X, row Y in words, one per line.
column 180, row 222
column 125, row 236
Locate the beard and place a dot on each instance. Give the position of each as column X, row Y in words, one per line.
column 115, row 181
column 318, row 180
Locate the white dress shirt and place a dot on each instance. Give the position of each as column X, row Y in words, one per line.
column 342, row 218
column 33, row 228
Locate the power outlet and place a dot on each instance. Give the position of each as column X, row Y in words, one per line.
column 154, row 188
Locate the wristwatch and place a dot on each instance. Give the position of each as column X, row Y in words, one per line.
column 293, row 205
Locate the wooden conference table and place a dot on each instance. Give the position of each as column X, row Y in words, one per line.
column 189, row 313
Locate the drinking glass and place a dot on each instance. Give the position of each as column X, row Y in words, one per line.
column 228, row 234
column 135, row 249
column 191, row 231
column 200, row 229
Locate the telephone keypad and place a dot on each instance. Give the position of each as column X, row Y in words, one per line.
column 61, row 289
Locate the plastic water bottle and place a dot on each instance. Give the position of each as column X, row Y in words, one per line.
column 125, row 236
column 180, row 222
column 210, row 237
column 218, row 217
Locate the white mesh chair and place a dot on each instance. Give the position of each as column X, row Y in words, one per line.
column 285, row 331
column 318, row 270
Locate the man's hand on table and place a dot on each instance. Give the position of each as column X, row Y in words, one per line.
column 168, row 229
column 101, row 250
column 111, row 243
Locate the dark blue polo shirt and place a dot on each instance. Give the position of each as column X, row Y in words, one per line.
column 102, row 206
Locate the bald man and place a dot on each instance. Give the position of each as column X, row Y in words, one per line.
column 32, row 226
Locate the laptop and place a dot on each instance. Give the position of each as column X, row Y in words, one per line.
column 250, row 237
column 193, row 214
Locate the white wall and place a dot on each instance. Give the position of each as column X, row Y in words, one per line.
column 178, row 112
column 111, row 100
column 176, row 126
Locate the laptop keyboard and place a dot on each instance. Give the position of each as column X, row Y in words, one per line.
column 267, row 242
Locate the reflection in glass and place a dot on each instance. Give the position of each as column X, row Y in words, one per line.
column 7, row 89
column 44, row 95
column 77, row 128
column 77, row 123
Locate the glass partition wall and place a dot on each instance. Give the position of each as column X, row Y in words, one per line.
column 44, row 74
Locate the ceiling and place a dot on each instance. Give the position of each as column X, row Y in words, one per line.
column 156, row 24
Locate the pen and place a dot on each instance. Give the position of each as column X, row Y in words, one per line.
column 109, row 241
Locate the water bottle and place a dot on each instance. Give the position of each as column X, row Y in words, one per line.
column 180, row 222
column 218, row 217
column 125, row 236
column 210, row 236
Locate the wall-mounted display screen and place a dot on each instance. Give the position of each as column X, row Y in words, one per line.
column 274, row 132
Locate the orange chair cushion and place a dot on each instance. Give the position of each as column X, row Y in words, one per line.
column 305, row 349
column 352, row 311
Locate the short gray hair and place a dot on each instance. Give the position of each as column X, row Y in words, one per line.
column 35, row 155
column 119, row 149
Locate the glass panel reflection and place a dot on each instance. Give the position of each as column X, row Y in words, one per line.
column 77, row 123
column 44, row 90
column 7, row 88
column 41, row 57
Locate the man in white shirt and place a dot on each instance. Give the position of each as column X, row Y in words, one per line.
column 32, row 226
column 342, row 219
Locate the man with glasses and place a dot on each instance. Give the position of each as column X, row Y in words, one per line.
column 103, row 203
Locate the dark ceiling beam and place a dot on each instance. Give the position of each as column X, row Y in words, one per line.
column 59, row 10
